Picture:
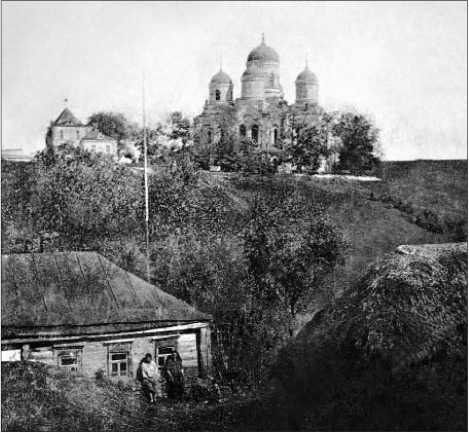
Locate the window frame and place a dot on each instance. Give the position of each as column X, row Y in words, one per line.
column 124, row 349
column 70, row 353
column 163, row 356
column 217, row 95
column 119, row 363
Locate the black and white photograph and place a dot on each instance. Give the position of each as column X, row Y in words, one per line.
column 234, row 216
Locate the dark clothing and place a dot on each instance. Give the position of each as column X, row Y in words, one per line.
column 174, row 377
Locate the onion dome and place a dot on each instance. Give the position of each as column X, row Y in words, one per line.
column 263, row 53
column 307, row 76
column 253, row 74
column 221, row 77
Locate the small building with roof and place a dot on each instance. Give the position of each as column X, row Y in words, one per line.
column 68, row 129
column 83, row 313
column 97, row 142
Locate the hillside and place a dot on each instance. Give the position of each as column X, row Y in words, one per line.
column 371, row 223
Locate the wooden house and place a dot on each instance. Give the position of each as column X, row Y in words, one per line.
column 79, row 311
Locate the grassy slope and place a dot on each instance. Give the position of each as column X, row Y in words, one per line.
column 438, row 185
column 373, row 228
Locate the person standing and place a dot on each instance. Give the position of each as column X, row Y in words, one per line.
column 174, row 374
column 149, row 377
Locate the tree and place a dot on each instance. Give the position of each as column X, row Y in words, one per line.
column 289, row 259
column 112, row 124
column 85, row 198
column 181, row 127
column 306, row 150
column 359, row 143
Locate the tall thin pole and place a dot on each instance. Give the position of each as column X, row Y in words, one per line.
column 145, row 171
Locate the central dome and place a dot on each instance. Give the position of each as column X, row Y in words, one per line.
column 263, row 53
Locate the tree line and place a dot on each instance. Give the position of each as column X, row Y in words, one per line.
column 347, row 141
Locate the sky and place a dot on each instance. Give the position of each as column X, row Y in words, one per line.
column 403, row 64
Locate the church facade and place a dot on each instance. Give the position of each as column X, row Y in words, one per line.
column 260, row 114
column 67, row 129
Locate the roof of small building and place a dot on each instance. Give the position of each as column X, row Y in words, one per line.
column 72, row 291
column 263, row 53
column 67, row 118
column 95, row 134
column 221, row 77
column 421, row 289
column 307, row 76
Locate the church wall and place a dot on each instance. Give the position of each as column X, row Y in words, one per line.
column 226, row 92
column 68, row 134
column 307, row 93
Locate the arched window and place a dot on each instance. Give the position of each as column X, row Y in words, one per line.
column 209, row 136
column 61, row 135
column 242, row 131
column 255, row 133
column 78, row 133
column 217, row 95
column 275, row 135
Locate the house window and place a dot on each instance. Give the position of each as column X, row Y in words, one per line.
column 61, row 135
column 255, row 133
column 70, row 360
column 242, row 131
column 78, row 133
column 93, row 147
column 162, row 353
column 217, row 95
column 119, row 364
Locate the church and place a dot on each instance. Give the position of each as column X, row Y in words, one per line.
column 260, row 114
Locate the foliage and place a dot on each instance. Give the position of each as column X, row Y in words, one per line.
column 306, row 150
column 288, row 261
column 180, row 127
column 112, row 124
column 84, row 198
column 359, row 139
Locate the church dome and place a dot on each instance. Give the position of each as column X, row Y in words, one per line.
column 263, row 53
column 253, row 74
column 307, row 76
column 221, row 78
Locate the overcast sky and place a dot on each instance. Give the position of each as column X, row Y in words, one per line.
column 404, row 64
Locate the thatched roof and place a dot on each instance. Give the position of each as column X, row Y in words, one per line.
column 405, row 308
column 76, row 291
